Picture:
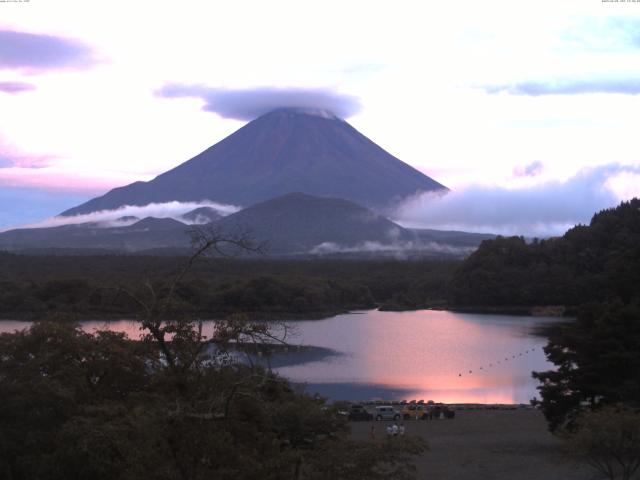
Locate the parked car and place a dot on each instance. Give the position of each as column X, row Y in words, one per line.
column 386, row 412
column 413, row 411
column 442, row 411
column 359, row 413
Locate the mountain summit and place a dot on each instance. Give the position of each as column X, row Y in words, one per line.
column 286, row 150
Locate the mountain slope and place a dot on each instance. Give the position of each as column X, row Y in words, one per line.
column 284, row 151
column 299, row 223
column 296, row 223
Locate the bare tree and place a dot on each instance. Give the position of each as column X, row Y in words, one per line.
column 179, row 337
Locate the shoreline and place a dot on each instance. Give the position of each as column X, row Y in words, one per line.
column 520, row 311
column 253, row 316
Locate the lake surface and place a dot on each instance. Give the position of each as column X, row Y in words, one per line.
column 427, row 354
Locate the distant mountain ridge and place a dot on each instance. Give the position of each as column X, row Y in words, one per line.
column 145, row 234
column 285, row 151
column 292, row 224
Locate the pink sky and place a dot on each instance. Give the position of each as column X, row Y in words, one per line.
column 473, row 93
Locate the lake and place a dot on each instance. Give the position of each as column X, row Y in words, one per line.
column 426, row 354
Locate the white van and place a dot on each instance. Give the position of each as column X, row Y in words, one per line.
column 386, row 412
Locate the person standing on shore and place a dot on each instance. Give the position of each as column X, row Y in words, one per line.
column 401, row 429
column 394, row 429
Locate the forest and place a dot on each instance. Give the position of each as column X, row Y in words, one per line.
column 588, row 263
column 87, row 286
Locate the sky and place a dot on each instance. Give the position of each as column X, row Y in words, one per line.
column 528, row 111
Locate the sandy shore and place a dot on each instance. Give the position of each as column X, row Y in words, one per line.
column 486, row 445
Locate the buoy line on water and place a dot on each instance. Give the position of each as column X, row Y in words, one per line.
column 506, row 359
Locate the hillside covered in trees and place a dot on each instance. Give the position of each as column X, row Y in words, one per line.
column 592, row 262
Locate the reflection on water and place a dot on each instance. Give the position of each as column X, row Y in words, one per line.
column 444, row 356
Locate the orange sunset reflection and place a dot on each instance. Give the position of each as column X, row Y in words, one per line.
column 438, row 355
column 444, row 356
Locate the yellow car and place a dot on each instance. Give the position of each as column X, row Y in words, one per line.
column 415, row 411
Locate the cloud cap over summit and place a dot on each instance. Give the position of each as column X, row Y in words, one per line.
column 250, row 103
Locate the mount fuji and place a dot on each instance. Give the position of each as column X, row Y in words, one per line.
column 287, row 150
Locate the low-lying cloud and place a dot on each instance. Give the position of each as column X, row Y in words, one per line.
column 249, row 103
column 541, row 210
column 37, row 52
column 626, row 86
column 398, row 249
column 118, row 217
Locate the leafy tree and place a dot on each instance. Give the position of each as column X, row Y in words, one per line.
column 47, row 375
column 608, row 440
column 597, row 362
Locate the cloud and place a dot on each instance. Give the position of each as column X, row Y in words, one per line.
column 25, row 161
column 603, row 34
column 250, row 103
column 399, row 248
column 533, row 169
column 628, row 29
column 16, row 87
column 542, row 210
column 37, row 52
column 22, row 169
column 12, row 157
column 627, row 86
column 111, row 218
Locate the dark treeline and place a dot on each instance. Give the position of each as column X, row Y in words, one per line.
column 83, row 287
column 588, row 263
